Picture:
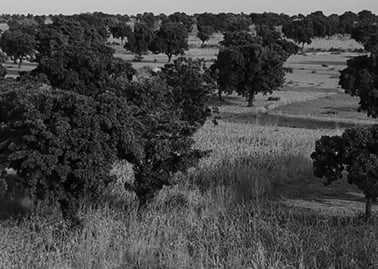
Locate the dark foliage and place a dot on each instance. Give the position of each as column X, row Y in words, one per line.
column 204, row 32
column 300, row 30
column 239, row 22
column 360, row 79
column 191, row 89
column 269, row 19
column 366, row 35
column 182, row 18
column 247, row 66
column 171, row 39
column 140, row 39
column 62, row 32
column 120, row 30
column 168, row 124
column 356, row 154
column 84, row 68
column 62, row 144
column 17, row 44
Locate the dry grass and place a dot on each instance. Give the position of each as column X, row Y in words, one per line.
column 334, row 42
column 339, row 107
column 216, row 217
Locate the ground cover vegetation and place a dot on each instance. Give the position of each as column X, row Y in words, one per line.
column 132, row 162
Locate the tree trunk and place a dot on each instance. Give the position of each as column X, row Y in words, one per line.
column 368, row 207
column 220, row 96
column 19, row 63
column 169, row 57
column 303, row 43
column 251, row 98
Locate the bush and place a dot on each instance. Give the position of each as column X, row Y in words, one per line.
column 356, row 153
column 191, row 88
column 61, row 144
column 167, row 130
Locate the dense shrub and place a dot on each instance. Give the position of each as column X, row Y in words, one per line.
column 356, row 153
column 84, row 68
column 169, row 122
column 360, row 79
column 191, row 88
column 62, row 144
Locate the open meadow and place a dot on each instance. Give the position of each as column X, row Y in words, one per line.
column 253, row 203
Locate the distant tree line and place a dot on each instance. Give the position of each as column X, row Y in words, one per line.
column 168, row 34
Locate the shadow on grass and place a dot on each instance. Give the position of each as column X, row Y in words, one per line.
column 286, row 180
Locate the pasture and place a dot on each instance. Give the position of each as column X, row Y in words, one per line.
column 253, row 203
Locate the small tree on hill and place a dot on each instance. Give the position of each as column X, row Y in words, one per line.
column 171, row 39
column 17, row 44
column 140, row 39
column 120, row 30
column 247, row 67
column 182, row 18
column 301, row 31
column 204, row 33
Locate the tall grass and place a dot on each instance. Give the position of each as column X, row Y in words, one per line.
column 218, row 216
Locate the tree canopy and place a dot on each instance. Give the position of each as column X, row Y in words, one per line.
column 140, row 39
column 300, row 30
column 247, row 64
column 247, row 67
column 171, row 39
column 18, row 44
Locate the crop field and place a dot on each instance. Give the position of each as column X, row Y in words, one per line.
column 252, row 203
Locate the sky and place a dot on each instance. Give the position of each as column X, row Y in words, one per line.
column 131, row 7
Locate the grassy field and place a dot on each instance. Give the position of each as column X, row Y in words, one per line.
column 253, row 203
column 218, row 216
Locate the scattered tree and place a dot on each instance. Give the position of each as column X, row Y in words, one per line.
column 140, row 39
column 120, row 30
column 171, row 39
column 182, row 18
column 248, row 67
column 300, row 30
column 354, row 152
column 204, row 33
column 18, row 45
